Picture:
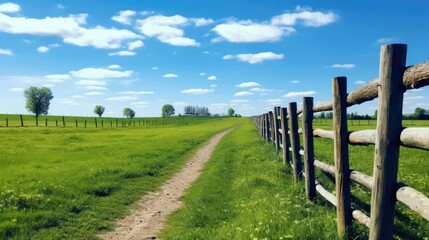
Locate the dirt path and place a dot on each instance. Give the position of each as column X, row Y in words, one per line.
column 152, row 210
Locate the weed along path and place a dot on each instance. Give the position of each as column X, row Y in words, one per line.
column 148, row 218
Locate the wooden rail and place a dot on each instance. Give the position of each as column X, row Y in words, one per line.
column 389, row 135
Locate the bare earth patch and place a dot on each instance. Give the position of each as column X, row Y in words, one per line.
column 152, row 210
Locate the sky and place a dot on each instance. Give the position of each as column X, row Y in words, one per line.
column 249, row 55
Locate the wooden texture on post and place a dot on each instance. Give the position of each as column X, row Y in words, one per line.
column 296, row 157
column 307, row 139
column 272, row 133
column 276, row 111
column 267, row 127
column 341, row 155
column 285, row 136
column 389, row 127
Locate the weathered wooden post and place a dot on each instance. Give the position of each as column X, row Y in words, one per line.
column 111, row 124
column 272, row 133
column 387, row 142
column 102, row 123
column 46, row 122
column 296, row 157
column 56, row 122
column 116, row 122
column 276, row 111
column 95, row 121
column 64, row 122
column 22, row 120
column 85, row 123
column 7, row 122
column 267, row 127
column 307, row 135
column 341, row 155
column 285, row 135
column 76, row 123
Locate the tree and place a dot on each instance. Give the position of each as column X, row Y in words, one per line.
column 99, row 110
column 231, row 112
column 421, row 113
column 38, row 100
column 167, row 110
column 129, row 113
column 375, row 114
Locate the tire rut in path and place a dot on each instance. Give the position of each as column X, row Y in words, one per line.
column 152, row 210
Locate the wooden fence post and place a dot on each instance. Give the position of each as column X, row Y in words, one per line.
column 95, row 120
column 56, row 122
column 111, row 124
column 272, row 129
column 22, row 120
column 7, row 122
column 85, row 123
column 307, row 135
column 102, row 123
column 296, row 158
column 387, row 141
column 116, row 122
column 46, row 122
column 76, row 122
column 285, row 135
column 267, row 128
column 276, row 111
column 341, row 155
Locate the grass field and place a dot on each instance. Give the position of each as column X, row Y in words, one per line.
column 70, row 183
column 250, row 194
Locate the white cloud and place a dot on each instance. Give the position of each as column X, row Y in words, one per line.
column 7, row 52
column 213, row 85
column 275, row 101
column 16, row 89
column 202, row 74
column 60, row 6
column 122, row 98
column 58, row 76
column 124, row 17
column 135, row 45
column 243, row 93
column 145, row 13
column 69, row 29
column 295, row 81
column 114, row 66
column 261, row 90
column 248, row 84
column 212, row 78
column 228, row 57
column 93, row 93
column 346, row 66
column 206, row 52
column 255, row 58
column 306, row 17
column 137, row 92
column 90, row 83
column 166, row 29
column 239, row 101
column 48, row 85
column 99, row 73
column 95, row 88
column 360, row 82
column 155, row 68
column 386, row 40
column 9, row 7
column 122, row 53
column 202, row 21
column 42, row 49
column 197, row 91
column 247, row 31
column 170, row 75
column 300, row 94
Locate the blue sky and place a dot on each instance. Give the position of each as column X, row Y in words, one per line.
column 248, row 55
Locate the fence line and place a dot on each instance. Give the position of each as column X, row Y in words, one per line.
column 389, row 135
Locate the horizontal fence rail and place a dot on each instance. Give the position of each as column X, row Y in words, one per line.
column 280, row 128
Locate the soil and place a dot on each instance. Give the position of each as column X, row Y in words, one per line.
column 148, row 218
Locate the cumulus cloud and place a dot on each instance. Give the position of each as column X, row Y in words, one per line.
column 122, row 98
column 202, row 74
column 124, row 17
column 345, row 66
column 90, row 83
column 135, row 45
column 255, row 58
column 7, row 52
column 170, row 75
column 9, row 7
column 167, row 29
column 300, row 94
column 99, row 73
column 122, row 53
column 197, row 91
column 261, row 90
column 155, row 68
column 242, row 93
column 306, row 17
column 212, row 78
column 360, row 82
column 69, row 29
column 42, row 49
column 202, row 21
column 248, row 84
column 114, row 66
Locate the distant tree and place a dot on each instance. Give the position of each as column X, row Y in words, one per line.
column 329, row 115
column 38, row 101
column 129, row 113
column 167, row 110
column 99, row 110
column 197, row 111
column 190, row 110
column 421, row 113
column 231, row 112
column 322, row 115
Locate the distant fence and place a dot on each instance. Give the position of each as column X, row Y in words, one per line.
column 16, row 120
column 280, row 127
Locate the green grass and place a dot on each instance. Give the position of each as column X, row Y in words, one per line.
column 70, row 183
column 245, row 192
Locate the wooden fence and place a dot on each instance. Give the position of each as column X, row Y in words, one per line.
column 280, row 127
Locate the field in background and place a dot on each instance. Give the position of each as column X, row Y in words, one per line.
column 69, row 183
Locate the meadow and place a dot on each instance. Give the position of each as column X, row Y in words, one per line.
column 250, row 194
column 71, row 183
